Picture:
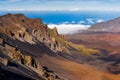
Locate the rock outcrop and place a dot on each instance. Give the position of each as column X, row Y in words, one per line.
column 12, row 60
column 18, row 34
column 19, row 27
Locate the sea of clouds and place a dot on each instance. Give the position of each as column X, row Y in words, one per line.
column 74, row 27
column 68, row 28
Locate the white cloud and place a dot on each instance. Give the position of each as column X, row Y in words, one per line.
column 60, row 5
column 81, row 22
column 66, row 22
column 75, row 9
column 73, row 22
column 14, row 0
column 68, row 28
column 6, row 1
column 99, row 20
column 93, row 21
column 90, row 20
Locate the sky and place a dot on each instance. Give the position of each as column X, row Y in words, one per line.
column 60, row 5
column 64, row 5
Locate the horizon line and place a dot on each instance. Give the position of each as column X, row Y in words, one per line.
column 59, row 10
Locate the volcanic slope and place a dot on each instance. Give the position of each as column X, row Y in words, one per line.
column 30, row 50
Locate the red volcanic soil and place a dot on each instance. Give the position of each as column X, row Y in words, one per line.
column 107, row 41
column 75, row 71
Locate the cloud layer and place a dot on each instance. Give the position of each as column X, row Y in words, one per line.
column 74, row 27
column 68, row 28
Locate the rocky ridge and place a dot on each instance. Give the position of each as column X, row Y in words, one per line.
column 18, row 32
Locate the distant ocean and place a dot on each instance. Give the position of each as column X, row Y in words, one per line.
column 70, row 20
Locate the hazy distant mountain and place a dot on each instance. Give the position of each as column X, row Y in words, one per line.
column 109, row 26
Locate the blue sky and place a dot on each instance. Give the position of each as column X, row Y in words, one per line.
column 71, row 5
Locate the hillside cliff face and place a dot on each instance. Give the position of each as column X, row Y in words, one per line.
column 17, row 65
column 33, row 31
column 21, row 41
